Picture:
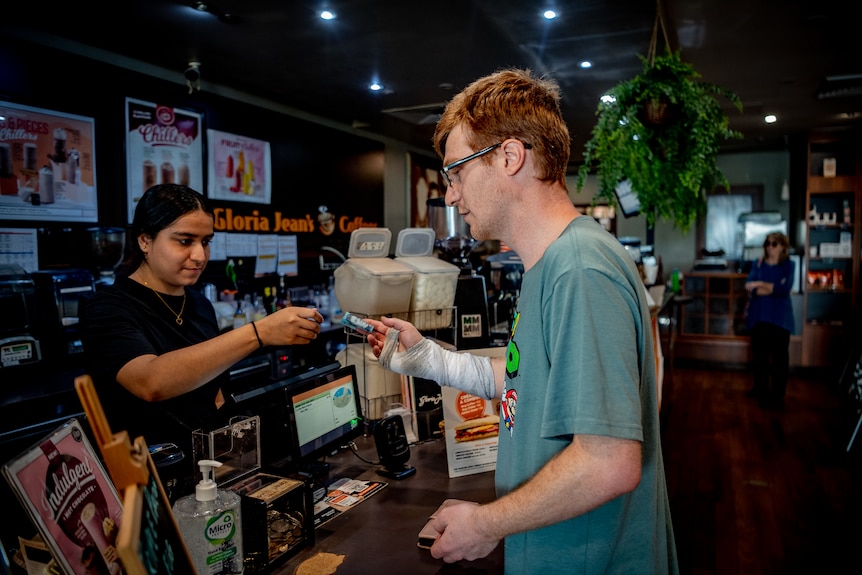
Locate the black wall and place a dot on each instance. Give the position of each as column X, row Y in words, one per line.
column 312, row 164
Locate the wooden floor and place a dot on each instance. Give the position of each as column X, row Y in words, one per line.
column 761, row 492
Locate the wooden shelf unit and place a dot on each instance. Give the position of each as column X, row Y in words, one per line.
column 717, row 309
column 832, row 245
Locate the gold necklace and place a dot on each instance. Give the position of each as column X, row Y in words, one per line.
column 179, row 319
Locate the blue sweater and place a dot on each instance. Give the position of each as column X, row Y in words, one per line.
column 774, row 308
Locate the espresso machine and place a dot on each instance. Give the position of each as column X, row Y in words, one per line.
column 455, row 244
column 19, row 344
column 59, row 295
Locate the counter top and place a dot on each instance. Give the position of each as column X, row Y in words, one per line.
column 379, row 535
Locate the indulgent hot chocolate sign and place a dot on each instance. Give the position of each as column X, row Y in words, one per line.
column 67, row 493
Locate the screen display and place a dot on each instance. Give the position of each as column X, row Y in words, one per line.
column 326, row 412
column 627, row 199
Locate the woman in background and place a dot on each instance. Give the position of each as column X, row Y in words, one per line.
column 770, row 320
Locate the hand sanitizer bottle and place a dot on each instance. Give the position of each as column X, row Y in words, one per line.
column 210, row 525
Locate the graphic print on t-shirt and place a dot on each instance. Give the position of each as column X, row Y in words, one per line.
column 510, row 396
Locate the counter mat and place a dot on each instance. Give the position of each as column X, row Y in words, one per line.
column 343, row 495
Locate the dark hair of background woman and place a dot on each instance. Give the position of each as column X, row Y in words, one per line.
column 158, row 208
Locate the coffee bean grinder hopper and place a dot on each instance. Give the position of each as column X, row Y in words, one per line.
column 106, row 245
column 454, row 244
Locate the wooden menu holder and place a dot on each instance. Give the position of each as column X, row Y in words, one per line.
column 149, row 541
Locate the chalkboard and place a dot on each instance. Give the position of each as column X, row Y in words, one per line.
column 149, row 541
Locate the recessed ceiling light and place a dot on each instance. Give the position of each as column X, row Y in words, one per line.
column 770, row 118
column 549, row 14
column 375, row 87
column 327, row 15
column 586, row 64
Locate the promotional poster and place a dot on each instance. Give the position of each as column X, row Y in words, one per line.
column 472, row 427
column 239, row 168
column 67, row 493
column 47, row 165
column 163, row 146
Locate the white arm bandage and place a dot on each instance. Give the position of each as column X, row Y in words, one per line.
column 472, row 374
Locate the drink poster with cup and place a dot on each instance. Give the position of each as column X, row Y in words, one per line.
column 47, row 165
column 239, row 168
column 163, row 146
column 68, row 495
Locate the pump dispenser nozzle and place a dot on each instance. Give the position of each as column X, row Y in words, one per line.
column 206, row 489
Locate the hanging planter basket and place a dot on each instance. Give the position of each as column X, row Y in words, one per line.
column 661, row 132
column 657, row 112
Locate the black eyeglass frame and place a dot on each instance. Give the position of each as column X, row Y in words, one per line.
column 772, row 243
column 444, row 171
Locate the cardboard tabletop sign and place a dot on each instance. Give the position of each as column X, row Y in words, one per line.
column 149, row 540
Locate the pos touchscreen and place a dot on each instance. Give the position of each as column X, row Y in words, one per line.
column 325, row 413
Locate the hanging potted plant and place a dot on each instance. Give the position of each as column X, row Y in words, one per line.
column 660, row 133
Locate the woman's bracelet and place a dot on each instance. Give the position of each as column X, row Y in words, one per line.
column 257, row 335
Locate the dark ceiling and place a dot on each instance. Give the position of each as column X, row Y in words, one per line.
column 798, row 60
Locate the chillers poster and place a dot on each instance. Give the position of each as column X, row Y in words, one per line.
column 239, row 168
column 47, row 165
column 163, row 146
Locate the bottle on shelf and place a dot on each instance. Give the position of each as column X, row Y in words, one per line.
column 239, row 318
column 321, row 301
column 259, row 310
column 335, row 311
column 247, row 308
column 282, row 299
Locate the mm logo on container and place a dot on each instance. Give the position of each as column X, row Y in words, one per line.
column 221, row 528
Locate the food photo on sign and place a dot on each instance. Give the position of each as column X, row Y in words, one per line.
column 471, row 426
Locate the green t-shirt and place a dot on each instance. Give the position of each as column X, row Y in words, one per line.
column 581, row 361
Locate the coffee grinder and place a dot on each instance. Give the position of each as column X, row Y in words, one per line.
column 106, row 245
column 455, row 244
column 505, row 272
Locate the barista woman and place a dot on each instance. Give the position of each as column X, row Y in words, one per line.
column 152, row 343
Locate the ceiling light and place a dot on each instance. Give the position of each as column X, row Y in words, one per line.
column 375, row 87
column 770, row 118
column 201, row 6
column 327, row 15
column 549, row 14
column 586, row 64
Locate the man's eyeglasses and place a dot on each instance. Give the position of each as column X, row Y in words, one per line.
column 452, row 179
column 772, row 244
